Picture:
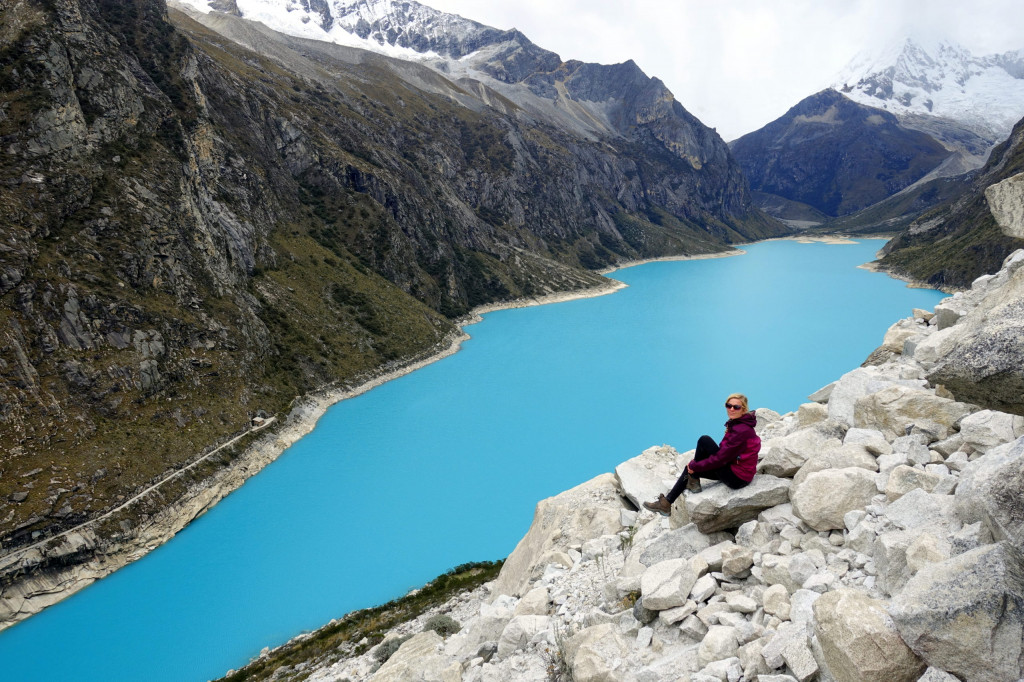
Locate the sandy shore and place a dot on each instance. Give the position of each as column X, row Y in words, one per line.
column 911, row 282
column 703, row 256
column 812, row 239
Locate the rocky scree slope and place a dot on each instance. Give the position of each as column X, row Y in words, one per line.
column 880, row 540
column 193, row 234
column 969, row 234
column 836, row 155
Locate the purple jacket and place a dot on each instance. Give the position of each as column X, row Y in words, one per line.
column 738, row 450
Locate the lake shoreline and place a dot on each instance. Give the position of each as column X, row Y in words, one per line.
column 39, row 575
column 33, row 594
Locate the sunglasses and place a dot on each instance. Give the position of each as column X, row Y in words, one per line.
column 730, row 406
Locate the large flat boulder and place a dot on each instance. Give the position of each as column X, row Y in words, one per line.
column 718, row 507
column 988, row 428
column 649, row 474
column 825, row 496
column 784, row 456
column 420, row 660
column 667, row 584
column 991, row 490
column 965, row 615
column 860, row 642
column 895, row 408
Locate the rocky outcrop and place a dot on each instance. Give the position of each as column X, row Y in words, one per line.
column 1006, row 201
column 561, row 524
column 965, row 615
column 981, row 357
column 895, row 554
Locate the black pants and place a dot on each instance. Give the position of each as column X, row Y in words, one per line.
column 706, row 446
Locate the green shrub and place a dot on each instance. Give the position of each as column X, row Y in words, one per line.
column 389, row 647
column 442, row 625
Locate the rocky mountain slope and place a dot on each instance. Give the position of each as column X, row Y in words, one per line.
column 197, row 226
column 835, row 155
column 969, row 234
column 880, row 540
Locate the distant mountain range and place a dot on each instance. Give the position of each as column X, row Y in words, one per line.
column 966, row 101
column 896, row 135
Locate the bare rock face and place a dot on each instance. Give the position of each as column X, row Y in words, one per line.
column 860, row 642
column 966, row 615
column 986, row 364
column 1006, row 201
column 558, row 522
column 718, row 507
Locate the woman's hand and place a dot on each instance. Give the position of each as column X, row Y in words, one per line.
column 689, row 469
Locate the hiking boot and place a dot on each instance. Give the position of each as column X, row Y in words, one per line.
column 693, row 484
column 660, row 505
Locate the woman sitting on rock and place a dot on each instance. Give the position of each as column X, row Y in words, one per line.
column 733, row 462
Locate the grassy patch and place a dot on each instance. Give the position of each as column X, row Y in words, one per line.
column 344, row 638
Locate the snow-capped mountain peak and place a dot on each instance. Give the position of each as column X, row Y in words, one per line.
column 404, row 29
column 939, row 78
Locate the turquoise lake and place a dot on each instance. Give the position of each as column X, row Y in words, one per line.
column 445, row 465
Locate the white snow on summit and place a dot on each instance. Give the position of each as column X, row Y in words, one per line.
column 939, row 78
column 337, row 21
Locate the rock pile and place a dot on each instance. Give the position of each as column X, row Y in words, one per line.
column 882, row 540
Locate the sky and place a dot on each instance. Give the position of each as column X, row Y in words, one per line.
column 740, row 64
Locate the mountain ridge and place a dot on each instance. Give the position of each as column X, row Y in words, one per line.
column 836, row 155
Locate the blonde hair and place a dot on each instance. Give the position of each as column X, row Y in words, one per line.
column 743, row 401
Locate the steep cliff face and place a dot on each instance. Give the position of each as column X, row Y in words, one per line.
column 193, row 232
column 835, row 155
column 161, row 283
column 960, row 240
